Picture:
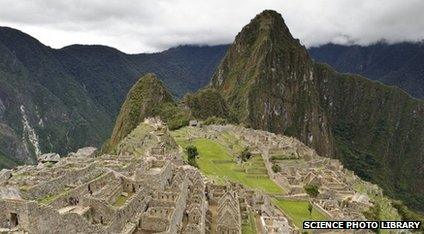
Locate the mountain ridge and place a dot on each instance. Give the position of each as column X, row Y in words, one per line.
column 72, row 95
column 374, row 129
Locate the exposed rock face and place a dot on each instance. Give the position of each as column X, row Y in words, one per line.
column 5, row 174
column 84, row 152
column 269, row 80
column 50, row 157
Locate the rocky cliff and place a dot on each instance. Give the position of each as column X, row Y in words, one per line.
column 269, row 80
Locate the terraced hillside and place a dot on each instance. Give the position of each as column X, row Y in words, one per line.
column 342, row 194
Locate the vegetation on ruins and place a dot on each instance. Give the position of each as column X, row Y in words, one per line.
column 298, row 212
column 216, row 161
column 276, row 168
column 192, row 154
column 408, row 215
column 310, row 207
column 373, row 213
column 215, row 120
column 245, row 154
column 312, row 190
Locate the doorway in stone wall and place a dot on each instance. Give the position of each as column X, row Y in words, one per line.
column 14, row 220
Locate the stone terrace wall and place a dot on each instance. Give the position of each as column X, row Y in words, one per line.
column 57, row 185
column 131, row 210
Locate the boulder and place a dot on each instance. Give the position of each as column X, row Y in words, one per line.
column 5, row 174
column 9, row 193
column 86, row 152
column 49, row 157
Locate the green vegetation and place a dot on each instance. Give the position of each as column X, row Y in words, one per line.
column 192, row 154
column 298, row 211
column 6, row 162
column 52, row 197
column 206, row 103
column 174, row 116
column 311, row 190
column 249, row 226
column 215, row 120
column 120, row 200
column 147, row 98
column 215, row 161
column 310, row 207
column 141, row 101
column 373, row 213
column 374, row 129
column 276, row 168
column 245, row 154
column 407, row 214
column 382, row 204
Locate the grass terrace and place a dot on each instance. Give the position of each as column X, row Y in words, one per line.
column 298, row 212
column 216, row 161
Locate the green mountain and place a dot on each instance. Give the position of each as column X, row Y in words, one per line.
column 267, row 79
column 147, row 98
column 271, row 83
column 399, row 64
column 43, row 108
column 58, row 100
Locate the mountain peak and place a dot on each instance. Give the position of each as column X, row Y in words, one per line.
column 147, row 93
column 266, row 76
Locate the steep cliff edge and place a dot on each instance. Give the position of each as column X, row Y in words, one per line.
column 269, row 80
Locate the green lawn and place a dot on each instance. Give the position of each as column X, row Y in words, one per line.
column 298, row 211
column 215, row 161
column 248, row 226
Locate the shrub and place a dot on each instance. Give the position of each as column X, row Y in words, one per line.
column 215, row 120
column 276, row 168
column 311, row 190
column 245, row 154
column 192, row 153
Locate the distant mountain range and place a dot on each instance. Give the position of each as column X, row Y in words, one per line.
column 400, row 64
column 57, row 100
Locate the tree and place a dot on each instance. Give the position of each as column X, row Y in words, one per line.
column 311, row 190
column 245, row 154
column 192, row 151
column 191, row 155
column 310, row 207
column 276, row 168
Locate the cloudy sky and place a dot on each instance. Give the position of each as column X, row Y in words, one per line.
column 135, row 26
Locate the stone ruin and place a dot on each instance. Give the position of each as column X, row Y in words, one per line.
column 147, row 189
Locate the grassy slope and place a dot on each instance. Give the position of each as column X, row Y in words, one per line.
column 298, row 211
column 215, row 161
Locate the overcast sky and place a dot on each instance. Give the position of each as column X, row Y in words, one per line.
column 136, row 26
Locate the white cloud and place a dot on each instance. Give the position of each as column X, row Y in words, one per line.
column 141, row 25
